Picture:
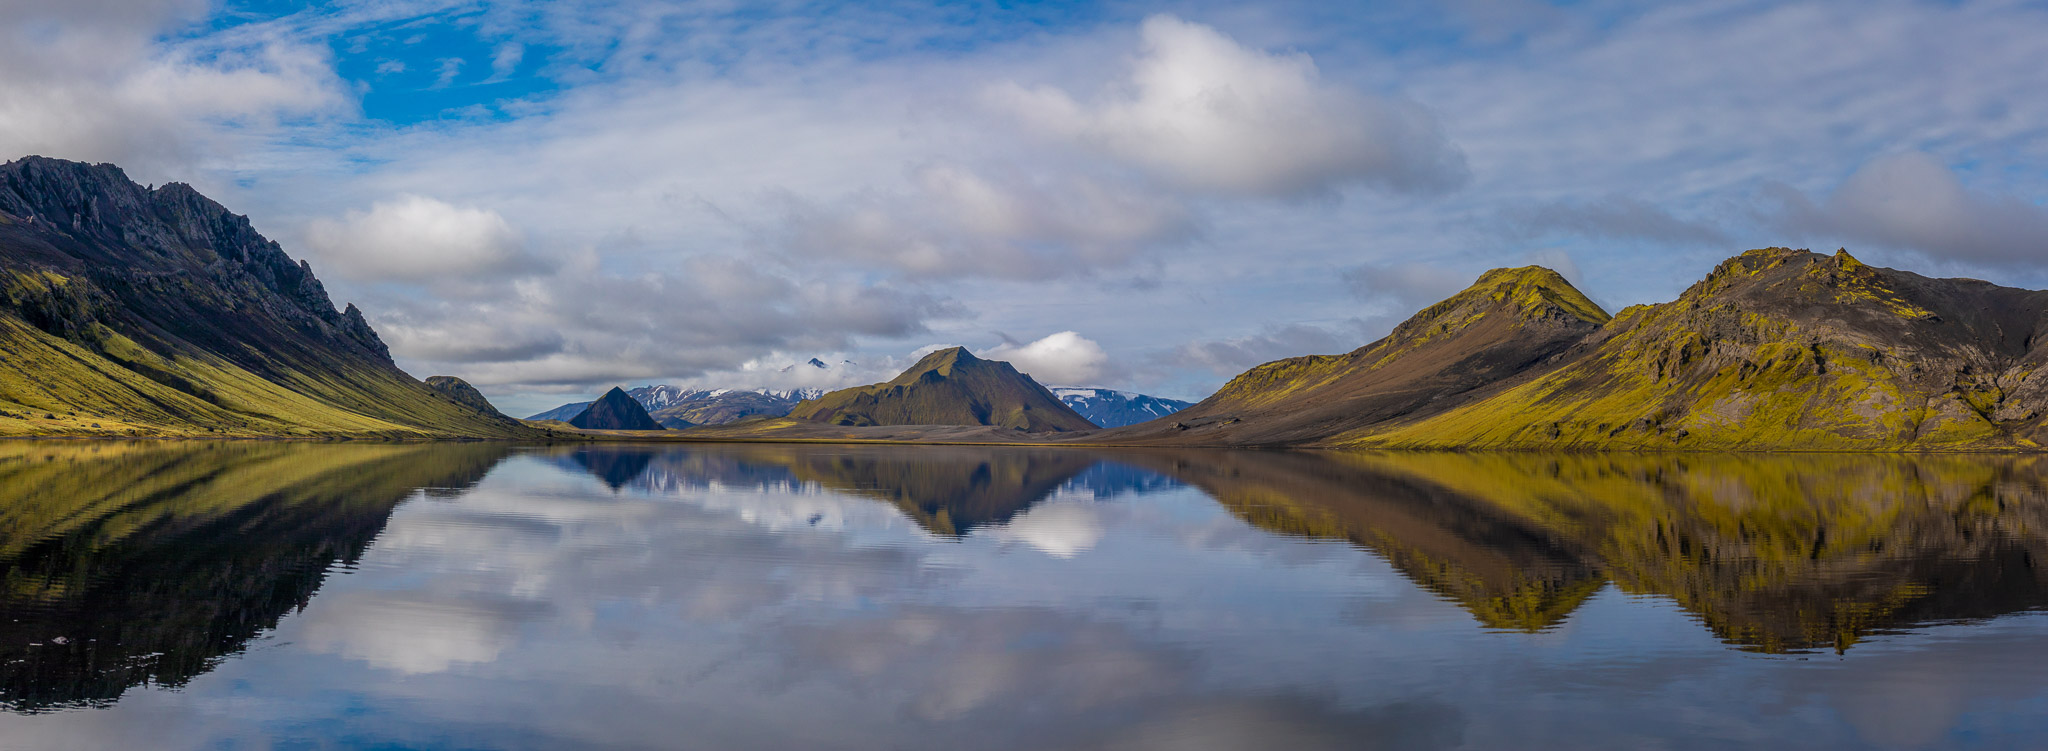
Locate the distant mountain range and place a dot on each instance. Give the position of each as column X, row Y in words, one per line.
column 677, row 407
column 1114, row 409
column 133, row 311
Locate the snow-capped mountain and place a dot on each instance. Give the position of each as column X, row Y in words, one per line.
column 1110, row 408
column 682, row 407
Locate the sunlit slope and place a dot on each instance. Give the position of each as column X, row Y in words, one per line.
column 948, row 387
column 1770, row 553
column 126, row 310
column 1509, row 322
column 1779, row 349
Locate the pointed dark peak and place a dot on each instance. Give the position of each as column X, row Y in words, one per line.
column 616, row 410
column 817, row 363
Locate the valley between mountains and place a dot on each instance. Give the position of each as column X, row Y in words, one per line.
column 128, row 311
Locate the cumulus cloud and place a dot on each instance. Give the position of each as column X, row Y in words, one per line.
column 957, row 222
column 576, row 327
column 1207, row 113
column 1912, row 201
column 1065, row 358
column 415, row 238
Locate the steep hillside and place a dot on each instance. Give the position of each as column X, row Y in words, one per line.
column 615, row 411
column 127, row 310
column 1781, row 349
column 1509, row 322
column 949, row 387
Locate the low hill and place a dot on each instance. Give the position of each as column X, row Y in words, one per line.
column 677, row 407
column 949, row 387
column 127, row 310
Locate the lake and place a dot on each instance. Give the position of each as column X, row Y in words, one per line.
column 250, row 595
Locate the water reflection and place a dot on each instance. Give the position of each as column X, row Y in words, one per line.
column 131, row 563
column 1773, row 554
column 943, row 597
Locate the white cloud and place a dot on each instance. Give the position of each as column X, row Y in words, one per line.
column 1912, row 201
column 505, row 61
column 415, row 238
column 1065, row 358
column 91, row 81
column 956, row 222
column 1061, row 529
column 1207, row 113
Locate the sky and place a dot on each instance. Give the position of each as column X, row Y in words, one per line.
column 552, row 198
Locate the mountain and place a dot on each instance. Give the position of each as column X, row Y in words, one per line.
column 1115, row 409
column 949, row 387
column 1781, row 349
column 127, row 310
column 1508, row 322
column 615, row 411
column 1775, row 349
column 678, row 407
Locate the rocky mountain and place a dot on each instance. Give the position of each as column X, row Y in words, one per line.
column 127, row 310
column 460, row 392
column 678, row 407
column 1510, row 321
column 1115, row 409
column 1775, row 349
column 615, row 411
column 949, row 387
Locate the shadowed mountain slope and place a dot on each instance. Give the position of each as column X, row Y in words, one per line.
column 615, row 411
column 155, row 311
column 949, row 387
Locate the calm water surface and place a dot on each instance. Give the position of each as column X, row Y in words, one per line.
column 261, row 595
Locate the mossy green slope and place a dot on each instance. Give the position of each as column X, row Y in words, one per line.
column 1509, row 321
column 949, row 387
column 1778, row 349
column 133, row 311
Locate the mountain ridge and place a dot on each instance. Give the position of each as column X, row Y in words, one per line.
column 133, row 311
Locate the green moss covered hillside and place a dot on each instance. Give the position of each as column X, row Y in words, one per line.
column 127, row 310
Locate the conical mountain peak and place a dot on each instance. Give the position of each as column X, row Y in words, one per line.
column 949, row 387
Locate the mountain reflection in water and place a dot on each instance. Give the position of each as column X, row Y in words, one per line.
column 889, row 596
